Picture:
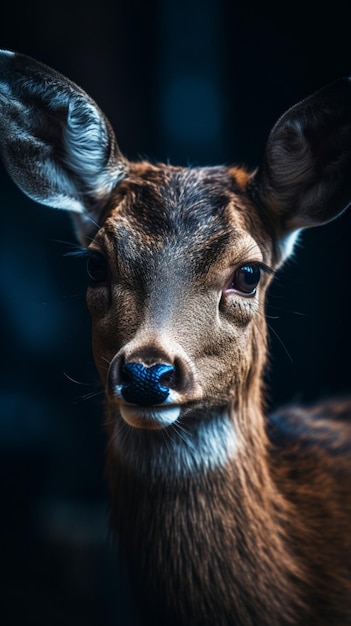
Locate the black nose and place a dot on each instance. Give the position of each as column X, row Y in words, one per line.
column 146, row 385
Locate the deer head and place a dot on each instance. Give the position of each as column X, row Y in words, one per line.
column 179, row 259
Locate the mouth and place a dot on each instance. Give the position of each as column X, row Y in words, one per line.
column 152, row 418
column 148, row 416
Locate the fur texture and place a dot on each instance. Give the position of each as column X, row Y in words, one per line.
column 224, row 516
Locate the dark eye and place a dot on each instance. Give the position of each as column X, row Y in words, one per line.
column 96, row 268
column 245, row 279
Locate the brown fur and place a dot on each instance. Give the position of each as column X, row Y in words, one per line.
column 224, row 516
column 280, row 509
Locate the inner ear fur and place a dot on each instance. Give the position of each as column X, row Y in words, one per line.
column 56, row 143
column 305, row 176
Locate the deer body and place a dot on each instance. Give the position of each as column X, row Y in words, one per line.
column 224, row 516
column 202, row 553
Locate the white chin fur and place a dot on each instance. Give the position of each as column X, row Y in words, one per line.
column 152, row 418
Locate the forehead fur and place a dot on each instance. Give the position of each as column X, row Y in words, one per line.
column 192, row 208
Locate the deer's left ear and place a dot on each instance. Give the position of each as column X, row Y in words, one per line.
column 305, row 176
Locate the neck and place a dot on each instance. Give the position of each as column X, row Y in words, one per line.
column 201, row 524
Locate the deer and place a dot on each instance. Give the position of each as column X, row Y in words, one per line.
column 225, row 514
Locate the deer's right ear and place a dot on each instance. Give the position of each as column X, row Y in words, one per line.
column 305, row 176
column 56, row 144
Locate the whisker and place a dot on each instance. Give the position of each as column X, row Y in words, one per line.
column 71, row 244
column 283, row 310
column 94, row 222
column 103, row 358
column 179, row 429
column 166, row 434
column 281, row 343
column 89, row 396
column 73, row 380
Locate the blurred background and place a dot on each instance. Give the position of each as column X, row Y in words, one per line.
column 194, row 82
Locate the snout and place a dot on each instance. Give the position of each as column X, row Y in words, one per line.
column 150, row 386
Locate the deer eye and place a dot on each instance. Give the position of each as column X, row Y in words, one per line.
column 245, row 279
column 96, row 268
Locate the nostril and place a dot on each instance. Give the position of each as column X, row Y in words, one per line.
column 169, row 379
column 125, row 375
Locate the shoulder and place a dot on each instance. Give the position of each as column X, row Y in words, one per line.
column 327, row 424
column 309, row 442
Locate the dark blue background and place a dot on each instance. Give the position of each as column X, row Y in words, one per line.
column 199, row 82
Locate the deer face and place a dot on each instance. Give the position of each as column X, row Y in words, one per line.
column 178, row 257
column 178, row 274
